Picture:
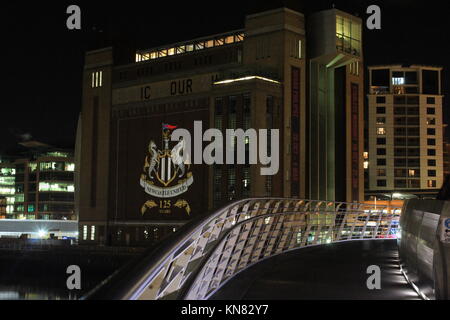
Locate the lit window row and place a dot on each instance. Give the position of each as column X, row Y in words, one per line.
column 190, row 47
column 7, row 180
column 58, row 154
column 7, row 171
column 57, row 166
column 65, row 187
column 5, row 190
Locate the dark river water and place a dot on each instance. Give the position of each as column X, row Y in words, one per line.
column 30, row 293
column 42, row 275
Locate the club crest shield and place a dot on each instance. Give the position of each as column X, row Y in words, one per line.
column 165, row 173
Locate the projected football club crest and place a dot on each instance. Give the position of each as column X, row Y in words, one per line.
column 166, row 175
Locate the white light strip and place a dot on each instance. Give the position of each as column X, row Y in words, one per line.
column 246, row 79
column 416, row 289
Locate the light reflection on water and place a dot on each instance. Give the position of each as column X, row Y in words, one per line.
column 28, row 293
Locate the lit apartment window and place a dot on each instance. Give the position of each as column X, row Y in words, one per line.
column 366, row 164
column 366, row 155
column 398, row 81
column 52, row 166
column 85, row 232
column 69, row 166
column 92, row 233
column 299, row 236
column 348, row 35
column 59, row 186
column 354, row 68
column 431, row 183
column 381, row 131
column 299, row 49
column 413, row 173
column 97, row 79
column 295, row 47
column 246, row 182
column 431, row 121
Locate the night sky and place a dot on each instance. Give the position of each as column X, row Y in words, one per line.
column 42, row 61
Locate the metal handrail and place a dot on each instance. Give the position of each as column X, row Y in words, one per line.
column 182, row 267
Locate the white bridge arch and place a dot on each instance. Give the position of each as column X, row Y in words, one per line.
column 206, row 253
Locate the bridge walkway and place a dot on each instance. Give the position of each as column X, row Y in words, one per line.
column 333, row 271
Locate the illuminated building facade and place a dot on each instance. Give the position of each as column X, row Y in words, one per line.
column 37, row 193
column 44, row 187
column 405, row 130
column 270, row 75
column 7, row 189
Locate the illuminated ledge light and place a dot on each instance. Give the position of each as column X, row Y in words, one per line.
column 246, row 79
column 416, row 289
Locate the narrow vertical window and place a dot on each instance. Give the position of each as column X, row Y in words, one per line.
column 85, row 230
column 92, row 233
column 299, row 49
column 97, row 79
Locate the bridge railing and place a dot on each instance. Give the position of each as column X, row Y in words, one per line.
column 211, row 251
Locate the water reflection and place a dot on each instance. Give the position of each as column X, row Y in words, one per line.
column 30, row 293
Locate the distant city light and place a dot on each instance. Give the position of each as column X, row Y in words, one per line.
column 42, row 233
